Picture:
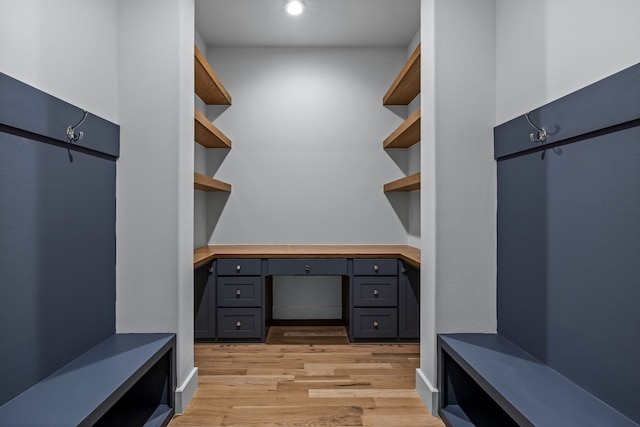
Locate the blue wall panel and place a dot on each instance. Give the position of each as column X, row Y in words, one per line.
column 569, row 247
column 57, row 249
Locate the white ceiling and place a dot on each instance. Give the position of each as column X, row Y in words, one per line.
column 323, row 23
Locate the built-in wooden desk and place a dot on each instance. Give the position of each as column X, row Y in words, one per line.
column 406, row 253
column 234, row 288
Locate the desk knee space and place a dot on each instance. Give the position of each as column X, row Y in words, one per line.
column 128, row 379
column 486, row 380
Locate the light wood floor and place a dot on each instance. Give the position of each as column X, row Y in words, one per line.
column 306, row 384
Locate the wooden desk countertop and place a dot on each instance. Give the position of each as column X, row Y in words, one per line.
column 204, row 254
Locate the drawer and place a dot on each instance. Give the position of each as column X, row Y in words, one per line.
column 239, row 267
column 239, row 291
column 307, row 267
column 240, row 323
column 375, row 291
column 375, row 267
column 375, row 322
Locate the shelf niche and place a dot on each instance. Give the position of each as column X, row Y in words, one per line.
column 407, row 134
column 207, row 84
column 207, row 135
column 408, row 183
column 407, row 85
column 204, row 183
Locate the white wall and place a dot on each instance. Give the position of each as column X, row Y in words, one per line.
column 414, row 160
column 549, row 48
column 64, row 48
column 307, row 164
column 200, row 198
column 458, row 273
column 155, row 176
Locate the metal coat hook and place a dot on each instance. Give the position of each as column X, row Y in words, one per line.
column 71, row 130
column 540, row 136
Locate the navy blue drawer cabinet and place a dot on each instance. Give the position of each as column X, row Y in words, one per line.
column 240, row 300
column 374, row 299
column 385, row 300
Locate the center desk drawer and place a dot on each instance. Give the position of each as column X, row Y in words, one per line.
column 239, row 291
column 307, row 267
column 239, row 267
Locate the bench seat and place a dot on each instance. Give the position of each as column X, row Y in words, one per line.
column 488, row 379
column 128, row 379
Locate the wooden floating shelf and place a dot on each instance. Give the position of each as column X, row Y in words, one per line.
column 207, row 135
column 204, row 183
column 207, row 85
column 407, row 85
column 408, row 183
column 407, row 134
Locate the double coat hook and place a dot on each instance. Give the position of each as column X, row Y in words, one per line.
column 540, row 136
column 71, row 130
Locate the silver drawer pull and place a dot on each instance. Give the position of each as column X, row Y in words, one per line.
column 375, row 267
column 210, row 270
column 238, row 292
column 375, row 324
column 375, row 292
column 404, row 269
column 307, row 268
column 238, row 267
column 238, row 324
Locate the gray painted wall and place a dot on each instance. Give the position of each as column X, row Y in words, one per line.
column 307, row 165
column 155, row 176
column 458, row 176
column 547, row 49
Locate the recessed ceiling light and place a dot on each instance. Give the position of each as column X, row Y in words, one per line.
column 295, row 7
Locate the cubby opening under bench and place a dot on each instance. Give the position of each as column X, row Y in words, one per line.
column 128, row 379
column 234, row 288
column 486, row 380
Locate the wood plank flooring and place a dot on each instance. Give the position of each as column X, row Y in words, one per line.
column 306, row 384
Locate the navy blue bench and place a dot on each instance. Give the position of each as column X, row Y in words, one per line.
column 486, row 380
column 126, row 380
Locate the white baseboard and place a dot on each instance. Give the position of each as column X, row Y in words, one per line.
column 427, row 392
column 185, row 392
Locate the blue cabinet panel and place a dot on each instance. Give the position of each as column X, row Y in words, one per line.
column 408, row 302
column 204, row 303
